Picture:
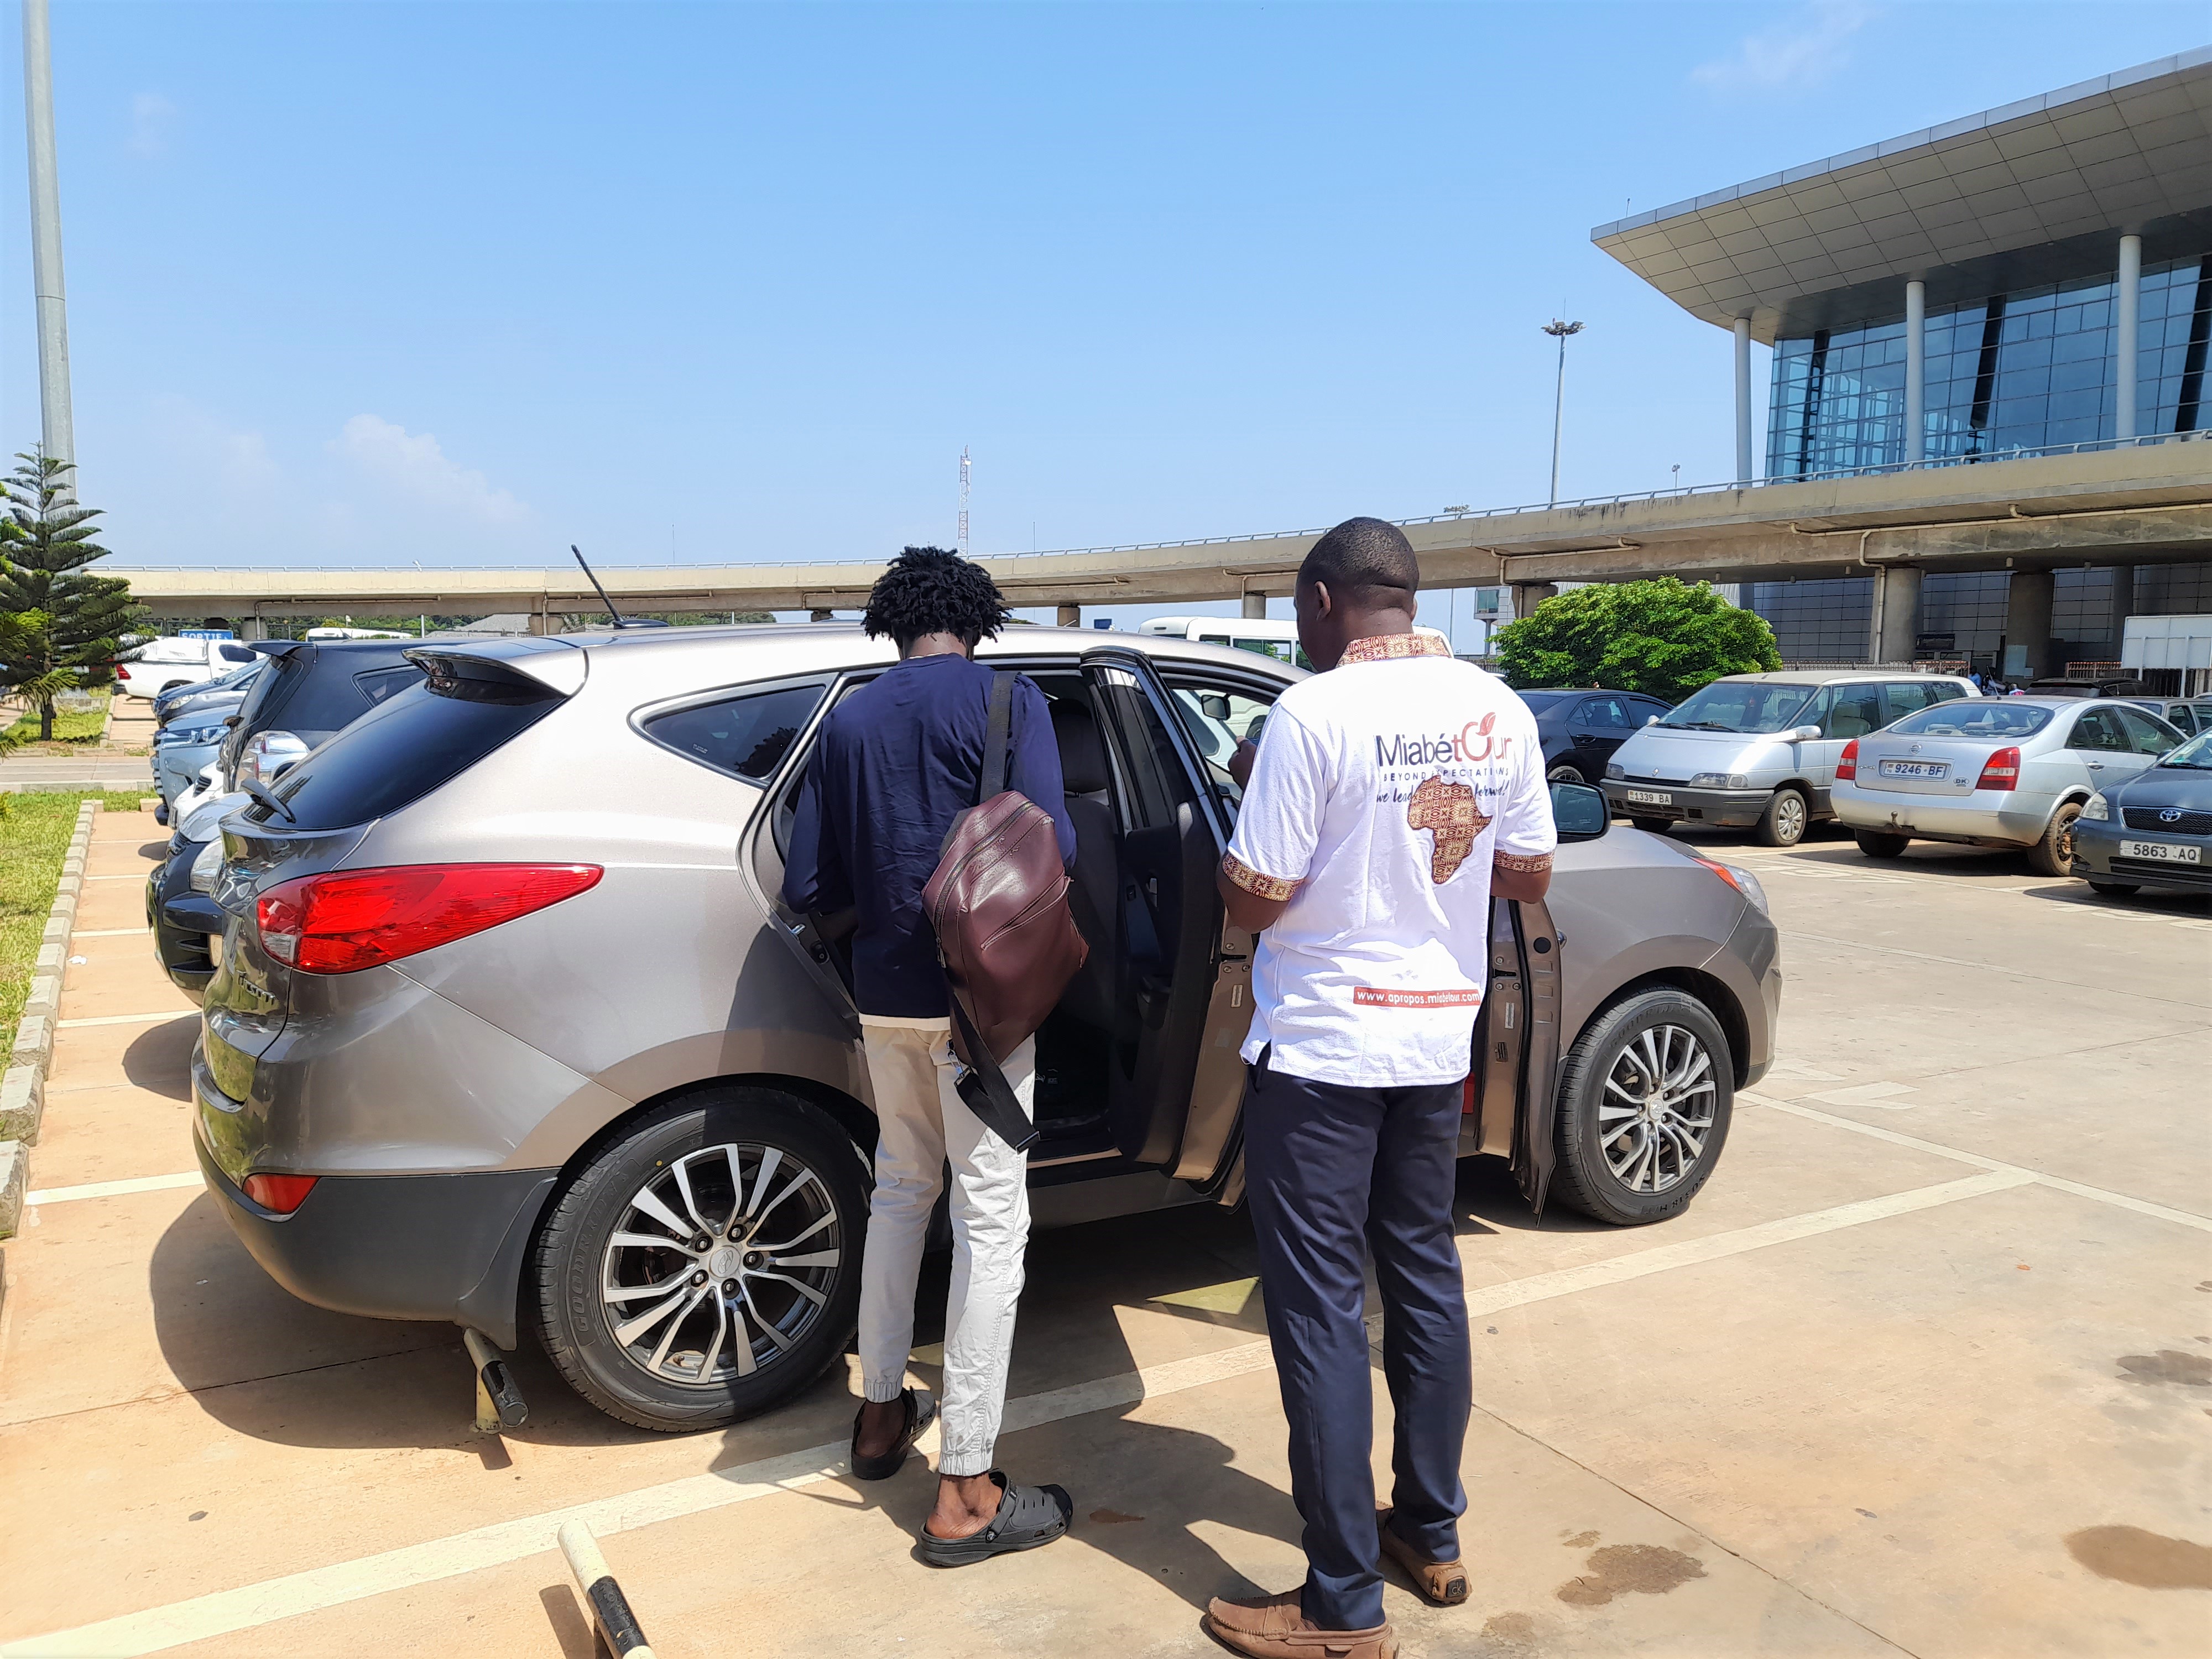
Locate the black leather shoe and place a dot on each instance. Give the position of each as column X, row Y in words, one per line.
column 920, row 1412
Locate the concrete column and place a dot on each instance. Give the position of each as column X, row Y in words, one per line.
column 1916, row 371
column 1527, row 596
column 1743, row 473
column 1071, row 616
column 818, row 616
column 1894, row 619
column 2028, row 625
column 1255, row 605
column 2123, row 604
column 2125, row 314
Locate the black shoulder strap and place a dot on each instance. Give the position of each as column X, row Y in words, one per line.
column 997, row 729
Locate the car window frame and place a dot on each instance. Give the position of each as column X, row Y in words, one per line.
column 2082, row 720
column 2127, row 714
column 833, row 686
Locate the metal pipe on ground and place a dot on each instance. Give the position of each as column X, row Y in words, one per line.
column 610, row 1606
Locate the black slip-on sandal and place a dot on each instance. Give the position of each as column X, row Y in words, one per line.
column 920, row 1412
column 1027, row 1517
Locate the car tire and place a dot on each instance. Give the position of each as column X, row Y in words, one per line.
column 2115, row 888
column 1787, row 816
column 2054, row 855
column 1876, row 845
column 1651, row 826
column 678, row 1156
column 1565, row 772
column 1615, row 1049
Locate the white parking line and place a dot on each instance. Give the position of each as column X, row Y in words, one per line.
column 107, row 932
column 2103, row 1195
column 111, row 1188
column 252, row 1606
column 124, row 1019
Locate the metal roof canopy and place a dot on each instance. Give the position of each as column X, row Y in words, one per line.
column 2030, row 193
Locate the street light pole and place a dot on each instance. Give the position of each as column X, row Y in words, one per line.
column 57, row 429
column 1559, row 331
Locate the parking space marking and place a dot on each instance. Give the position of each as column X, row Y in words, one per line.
column 105, row 933
column 125, row 1019
column 2103, row 1195
column 140, row 876
column 1956, row 961
column 113, row 1188
column 252, row 1606
column 1882, row 1096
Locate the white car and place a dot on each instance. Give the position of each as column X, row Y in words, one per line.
column 162, row 664
column 2009, row 772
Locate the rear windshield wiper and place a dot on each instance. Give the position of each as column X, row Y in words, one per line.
column 267, row 802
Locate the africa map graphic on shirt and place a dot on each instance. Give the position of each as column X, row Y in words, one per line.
column 1448, row 811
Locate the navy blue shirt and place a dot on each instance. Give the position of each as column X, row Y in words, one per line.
column 897, row 762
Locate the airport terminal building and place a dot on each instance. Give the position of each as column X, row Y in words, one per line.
column 2011, row 284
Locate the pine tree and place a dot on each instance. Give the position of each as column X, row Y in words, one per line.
column 59, row 625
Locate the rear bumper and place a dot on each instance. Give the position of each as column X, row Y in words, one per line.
column 182, row 926
column 1981, row 817
column 444, row 1248
column 1734, row 809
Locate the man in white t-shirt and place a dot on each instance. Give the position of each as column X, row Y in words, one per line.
column 1389, row 798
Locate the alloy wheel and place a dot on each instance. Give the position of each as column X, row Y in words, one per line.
column 720, row 1263
column 1790, row 817
column 1659, row 1105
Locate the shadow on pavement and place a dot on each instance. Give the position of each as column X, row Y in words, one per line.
column 160, row 1060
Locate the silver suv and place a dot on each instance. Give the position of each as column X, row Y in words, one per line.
column 509, row 1030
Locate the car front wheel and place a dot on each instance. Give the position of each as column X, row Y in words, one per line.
column 1783, row 822
column 705, row 1266
column 1645, row 1097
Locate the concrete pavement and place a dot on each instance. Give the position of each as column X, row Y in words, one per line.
column 1924, row 1370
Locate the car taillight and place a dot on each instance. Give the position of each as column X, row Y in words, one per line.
column 1847, row 763
column 121, row 672
column 2000, row 771
column 350, row 919
column 283, row 1193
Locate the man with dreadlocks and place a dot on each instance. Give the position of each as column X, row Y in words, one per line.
column 897, row 762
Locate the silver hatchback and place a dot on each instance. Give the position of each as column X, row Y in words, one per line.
column 510, row 1031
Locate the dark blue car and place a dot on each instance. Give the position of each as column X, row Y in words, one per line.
column 2155, row 830
column 1581, row 729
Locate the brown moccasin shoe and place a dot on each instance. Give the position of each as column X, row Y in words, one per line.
column 1443, row 1583
column 1274, row 1627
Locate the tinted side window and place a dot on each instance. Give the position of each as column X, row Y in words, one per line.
column 2095, row 730
column 1854, row 711
column 235, row 653
column 378, row 684
column 2147, row 733
column 746, row 737
column 1604, row 714
column 1904, row 697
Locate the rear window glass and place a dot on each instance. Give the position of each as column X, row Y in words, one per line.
column 404, row 747
column 1975, row 717
column 746, row 737
column 324, row 688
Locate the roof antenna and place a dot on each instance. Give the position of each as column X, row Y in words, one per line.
column 619, row 620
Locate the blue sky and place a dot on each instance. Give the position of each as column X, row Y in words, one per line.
column 355, row 284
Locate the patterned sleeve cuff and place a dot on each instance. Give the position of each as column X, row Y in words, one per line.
column 1529, row 863
column 1259, row 886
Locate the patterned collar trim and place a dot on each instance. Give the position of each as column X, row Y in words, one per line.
column 1385, row 647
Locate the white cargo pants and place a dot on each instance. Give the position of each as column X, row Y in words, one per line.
column 923, row 1125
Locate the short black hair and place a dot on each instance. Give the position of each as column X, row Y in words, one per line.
column 1364, row 560
column 928, row 590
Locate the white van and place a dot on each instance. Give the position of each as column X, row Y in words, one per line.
column 148, row 670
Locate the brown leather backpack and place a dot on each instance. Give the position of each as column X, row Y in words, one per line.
column 998, row 902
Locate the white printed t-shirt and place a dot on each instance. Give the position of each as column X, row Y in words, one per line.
column 1382, row 792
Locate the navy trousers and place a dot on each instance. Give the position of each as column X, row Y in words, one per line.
column 1334, row 1172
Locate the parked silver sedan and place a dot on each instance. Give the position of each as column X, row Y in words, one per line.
column 2010, row 772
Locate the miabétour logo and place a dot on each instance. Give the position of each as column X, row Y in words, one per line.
column 1472, row 742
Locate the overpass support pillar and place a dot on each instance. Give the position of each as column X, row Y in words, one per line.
column 2126, row 312
column 1916, row 371
column 1071, row 616
column 818, row 616
column 1255, row 607
column 1527, row 596
column 1895, row 617
column 2028, row 625
column 1743, row 474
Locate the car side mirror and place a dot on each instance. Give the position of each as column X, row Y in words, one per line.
column 1651, row 720
column 231, row 719
column 1804, row 733
column 1579, row 812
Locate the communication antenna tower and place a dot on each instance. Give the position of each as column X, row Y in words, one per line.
column 963, row 501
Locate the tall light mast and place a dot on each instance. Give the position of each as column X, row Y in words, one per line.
column 57, row 434
column 963, row 501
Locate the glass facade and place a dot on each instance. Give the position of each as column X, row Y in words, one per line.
column 2015, row 371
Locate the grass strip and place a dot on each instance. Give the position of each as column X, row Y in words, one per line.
column 72, row 726
column 35, row 826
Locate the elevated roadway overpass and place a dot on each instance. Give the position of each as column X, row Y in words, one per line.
column 2107, row 504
